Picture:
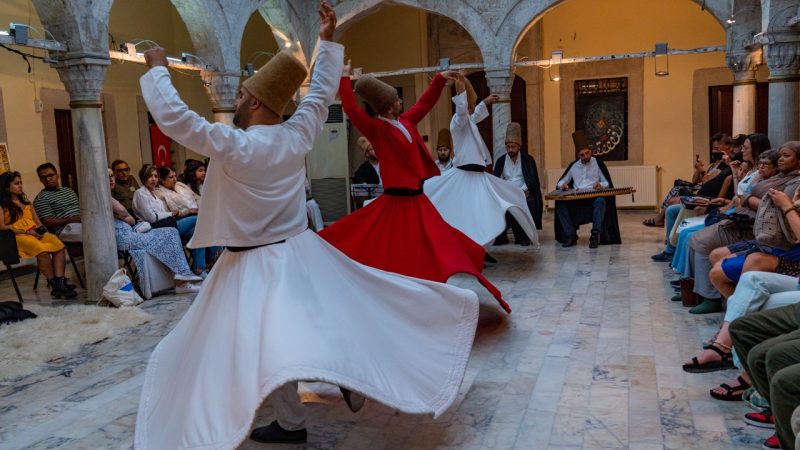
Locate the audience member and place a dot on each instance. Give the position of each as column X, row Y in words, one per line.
column 369, row 171
column 57, row 206
column 33, row 239
column 194, row 176
column 164, row 244
column 180, row 199
column 126, row 184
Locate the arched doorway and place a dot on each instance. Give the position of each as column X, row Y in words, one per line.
column 519, row 108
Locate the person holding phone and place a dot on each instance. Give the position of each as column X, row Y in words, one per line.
column 33, row 239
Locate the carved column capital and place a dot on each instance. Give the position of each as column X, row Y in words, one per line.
column 500, row 82
column 83, row 80
column 222, row 89
column 783, row 59
column 744, row 64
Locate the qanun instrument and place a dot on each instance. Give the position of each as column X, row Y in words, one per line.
column 581, row 194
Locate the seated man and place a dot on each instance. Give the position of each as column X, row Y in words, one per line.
column 369, row 171
column 444, row 150
column 126, row 185
column 586, row 172
column 58, row 207
column 768, row 344
column 520, row 169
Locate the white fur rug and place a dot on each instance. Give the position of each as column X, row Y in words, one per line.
column 59, row 331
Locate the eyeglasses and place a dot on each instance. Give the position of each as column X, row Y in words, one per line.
column 764, row 163
column 48, row 176
column 125, row 170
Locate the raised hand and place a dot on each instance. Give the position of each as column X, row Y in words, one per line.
column 327, row 21
column 451, row 75
column 155, row 56
column 491, row 99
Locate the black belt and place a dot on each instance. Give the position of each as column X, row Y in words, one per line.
column 403, row 192
column 472, row 168
column 244, row 249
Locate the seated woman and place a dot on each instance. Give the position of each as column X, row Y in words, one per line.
column 164, row 244
column 17, row 214
column 194, row 176
column 180, row 200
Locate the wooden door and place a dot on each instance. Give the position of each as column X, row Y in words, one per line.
column 66, row 149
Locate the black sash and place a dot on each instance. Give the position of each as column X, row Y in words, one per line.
column 472, row 168
column 244, row 249
column 403, row 192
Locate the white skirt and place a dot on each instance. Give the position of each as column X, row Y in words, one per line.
column 476, row 204
column 301, row 311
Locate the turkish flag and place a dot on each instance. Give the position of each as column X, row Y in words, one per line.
column 161, row 147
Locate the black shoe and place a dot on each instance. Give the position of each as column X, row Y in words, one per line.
column 274, row 434
column 675, row 283
column 501, row 240
column 524, row 243
column 662, row 257
column 489, row 258
column 594, row 240
column 570, row 242
column 354, row 400
column 60, row 288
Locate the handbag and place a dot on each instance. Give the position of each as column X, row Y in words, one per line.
column 769, row 227
column 119, row 290
column 169, row 222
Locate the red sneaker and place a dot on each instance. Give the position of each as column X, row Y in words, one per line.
column 763, row 419
column 772, row 443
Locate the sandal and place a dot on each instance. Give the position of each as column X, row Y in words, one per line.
column 712, row 366
column 730, row 395
column 652, row 223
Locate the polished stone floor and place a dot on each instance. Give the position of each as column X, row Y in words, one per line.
column 589, row 359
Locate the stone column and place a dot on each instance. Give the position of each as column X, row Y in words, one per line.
column 500, row 83
column 222, row 89
column 744, row 64
column 83, row 79
column 783, row 59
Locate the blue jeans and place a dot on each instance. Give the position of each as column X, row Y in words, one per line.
column 598, row 214
column 186, row 227
column 671, row 215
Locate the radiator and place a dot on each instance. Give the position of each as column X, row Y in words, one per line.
column 641, row 178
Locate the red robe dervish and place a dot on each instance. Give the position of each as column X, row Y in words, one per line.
column 401, row 231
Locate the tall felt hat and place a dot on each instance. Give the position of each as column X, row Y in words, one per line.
column 276, row 81
column 363, row 143
column 581, row 140
column 472, row 97
column 444, row 139
column 514, row 133
column 379, row 95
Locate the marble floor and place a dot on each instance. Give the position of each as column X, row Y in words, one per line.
column 589, row 359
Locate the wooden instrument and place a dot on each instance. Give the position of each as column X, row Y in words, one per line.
column 581, row 194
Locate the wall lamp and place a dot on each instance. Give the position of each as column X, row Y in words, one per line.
column 661, row 57
column 555, row 65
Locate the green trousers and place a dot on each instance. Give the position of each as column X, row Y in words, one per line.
column 768, row 344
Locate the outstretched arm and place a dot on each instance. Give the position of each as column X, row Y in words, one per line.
column 428, row 99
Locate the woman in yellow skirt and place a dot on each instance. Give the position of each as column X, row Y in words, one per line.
column 17, row 214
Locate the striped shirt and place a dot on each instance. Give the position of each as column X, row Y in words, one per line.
column 58, row 203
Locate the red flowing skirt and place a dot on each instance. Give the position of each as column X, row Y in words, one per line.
column 406, row 235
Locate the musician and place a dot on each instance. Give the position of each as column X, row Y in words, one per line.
column 519, row 169
column 370, row 170
column 587, row 172
column 444, row 150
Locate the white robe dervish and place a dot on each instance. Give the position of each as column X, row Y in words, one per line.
column 476, row 202
column 295, row 310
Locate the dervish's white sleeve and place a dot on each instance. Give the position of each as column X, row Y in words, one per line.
column 312, row 111
column 481, row 113
column 461, row 116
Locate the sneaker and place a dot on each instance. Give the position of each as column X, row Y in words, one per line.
column 274, row 434
column 763, row 419
column 187, row 288
column 203, row 275
column 771, row 443
column 662, row 257
column 675, row 283
column 594, row 240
